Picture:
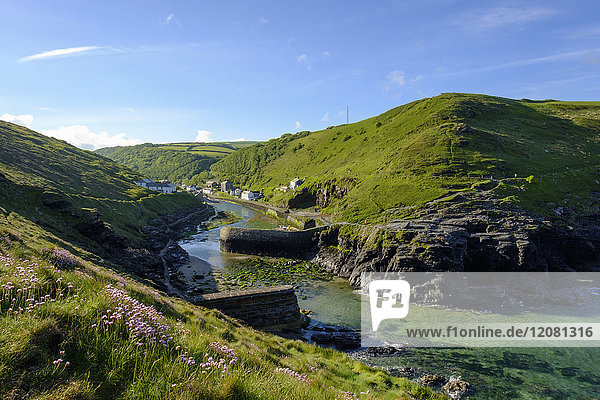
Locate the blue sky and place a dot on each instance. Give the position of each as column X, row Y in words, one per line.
column 125, row 72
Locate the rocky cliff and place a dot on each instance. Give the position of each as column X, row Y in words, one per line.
column 472, row 232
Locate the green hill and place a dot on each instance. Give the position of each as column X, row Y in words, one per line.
column 70, row 328
column 177, row 162
column 65, row 189
column 390, row 165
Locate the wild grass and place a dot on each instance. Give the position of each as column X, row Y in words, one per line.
column 83, row 333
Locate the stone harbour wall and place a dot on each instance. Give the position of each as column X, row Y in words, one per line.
column 269, row 242
column 268, row 308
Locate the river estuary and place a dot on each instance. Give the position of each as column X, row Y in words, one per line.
column 495, row 373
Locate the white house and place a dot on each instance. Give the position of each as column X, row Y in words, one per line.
column 161, row 187
column 208, row 191
column 192, row 188
column 250, row 195
column 295, row 183
column 144, row 182
column 237, row 192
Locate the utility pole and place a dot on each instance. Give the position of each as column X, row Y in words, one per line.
column 347, row 116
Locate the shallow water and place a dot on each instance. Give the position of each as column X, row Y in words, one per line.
column 496, row 373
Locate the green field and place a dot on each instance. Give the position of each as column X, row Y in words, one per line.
column 388, row 166
column 187, row 163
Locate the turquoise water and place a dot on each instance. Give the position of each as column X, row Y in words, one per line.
column 496, row 373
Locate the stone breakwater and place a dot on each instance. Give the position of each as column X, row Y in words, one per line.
column 268, row 308
column 267, row 242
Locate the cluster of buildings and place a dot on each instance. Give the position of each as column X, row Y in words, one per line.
column 229, row 188
column 165, row 186
column 213, row 186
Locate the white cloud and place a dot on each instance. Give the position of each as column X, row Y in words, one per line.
column 501, row 16
column 325, row 54
column 394, row 80
column 24, row 119
column 59, row 53
column 241, row 139
column 303, row 59
column 298, row 125
column 203, row 136
column 263, row 20
column 325, row 118
column 82, row 137
column 169, row 20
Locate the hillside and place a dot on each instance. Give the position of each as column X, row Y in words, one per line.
column 177, row 162
column 71, row 328
column 78, row 196
column 391, row 165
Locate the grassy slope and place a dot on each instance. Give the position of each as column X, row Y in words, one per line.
column 53, row 305
column 189, row 162
column 69, row 300
column 58, row 186
column 421, row 151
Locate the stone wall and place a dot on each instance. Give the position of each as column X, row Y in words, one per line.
column 268, row 308
column 269, row 242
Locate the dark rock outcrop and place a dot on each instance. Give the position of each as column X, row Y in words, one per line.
column 483, row 238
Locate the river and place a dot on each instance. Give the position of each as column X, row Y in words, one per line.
column 495, row 373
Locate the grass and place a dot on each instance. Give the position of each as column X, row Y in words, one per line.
column 178, row 162
column 388, row 166
column 70, row 333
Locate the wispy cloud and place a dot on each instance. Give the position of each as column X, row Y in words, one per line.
column 24, row 119
column 263, row 20
column 303, row 59
column 82, row 137
column 240, row 139
column 170, row 20
column 203, row 136
column 581, row 55
column 298, row 125
column 325, row 54
column 394, row 80
column 59, row 53
column 325, row 118
column 502, row 16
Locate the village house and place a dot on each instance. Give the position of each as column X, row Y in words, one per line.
column 144, row 182
column 212, row 184
column 237, row 192
column 208, row 191
column 162, row 187
column 250, row 195
column 192, row 188
column 283, row 188
column 226, row 186
column 295, row 183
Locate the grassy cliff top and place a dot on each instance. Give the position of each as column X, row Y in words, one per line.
column 434, row 147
